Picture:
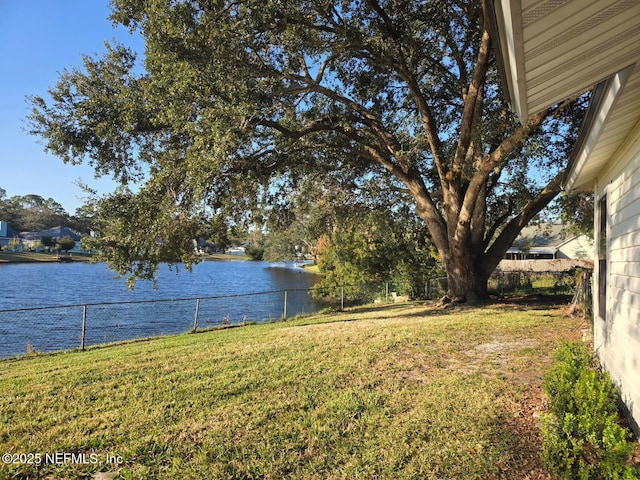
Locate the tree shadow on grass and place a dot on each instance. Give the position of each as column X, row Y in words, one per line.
column 534, row 302
column 433, row 308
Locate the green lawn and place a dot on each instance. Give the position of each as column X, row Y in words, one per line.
column 31, row 257
column 224, row 256
column 393, row 392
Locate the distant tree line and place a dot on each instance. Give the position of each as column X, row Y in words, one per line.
column 33, row 213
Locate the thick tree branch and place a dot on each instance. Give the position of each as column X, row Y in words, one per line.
column 489, row 162
column 496, row 225
column 473, row 96
column 319, row 125
column 458, row 57
column 478, row 219
column 508, row 235
column 364, row 115
column 428, row 119
column 387, row 23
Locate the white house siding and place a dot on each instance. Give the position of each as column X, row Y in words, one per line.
column 550, row 51
column 576, row 248
column 617, row 338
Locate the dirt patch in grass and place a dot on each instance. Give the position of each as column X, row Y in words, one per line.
column 521, row 418
column 495, row 355
column 525, row 429
column 520, row 421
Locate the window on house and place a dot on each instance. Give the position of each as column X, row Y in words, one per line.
column 602, row 257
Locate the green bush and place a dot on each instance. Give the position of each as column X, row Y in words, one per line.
column 582, row 438
column 570, row 360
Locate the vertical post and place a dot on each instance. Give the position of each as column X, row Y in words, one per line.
column 84, row 326
column 195, row 317
column 284, row 315
column 587, row 291
column 341, row 298
column 386, row 292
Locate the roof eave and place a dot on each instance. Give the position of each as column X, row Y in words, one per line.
column 604, row 98
column 510, row 46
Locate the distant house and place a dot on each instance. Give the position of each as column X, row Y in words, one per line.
column 240, row 250
column 549, row 241
column 550, row 51
column 56, row 233
column 7, row 234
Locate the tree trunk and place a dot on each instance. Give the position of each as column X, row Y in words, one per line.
column 466, row 280
column 468, row 256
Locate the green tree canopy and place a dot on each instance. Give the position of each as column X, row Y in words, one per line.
column 32, row 213
column 576, row 211
column 47, row 241
column 299, row 215
column 373, row 246
column 239, row 100
column 65, row 243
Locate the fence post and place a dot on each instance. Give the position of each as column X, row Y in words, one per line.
column 84, row 326
column 341, row 298
column 386, row 292
column 284, row 315
column 195, row 317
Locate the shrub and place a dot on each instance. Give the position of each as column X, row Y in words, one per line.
column 581, row 435
column 66, row 243
column 255, row 252
column 570, row 360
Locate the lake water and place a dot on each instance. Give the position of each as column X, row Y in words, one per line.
column 222, row 286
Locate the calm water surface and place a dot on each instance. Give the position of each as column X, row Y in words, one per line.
column 26, row 286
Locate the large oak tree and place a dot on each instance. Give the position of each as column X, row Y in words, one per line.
column 236, row 99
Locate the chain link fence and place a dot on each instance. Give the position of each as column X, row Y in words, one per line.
column 45, row 329
column 539, row 283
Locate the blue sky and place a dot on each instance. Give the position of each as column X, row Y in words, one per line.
column 38, row 40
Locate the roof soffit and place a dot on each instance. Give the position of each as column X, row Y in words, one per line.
column 553, row 49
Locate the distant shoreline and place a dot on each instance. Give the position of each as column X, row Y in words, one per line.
column 223, row 256
column 39, row 257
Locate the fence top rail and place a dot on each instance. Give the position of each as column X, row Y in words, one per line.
column 168, row 300
column 184, row 299
column 157, row 300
